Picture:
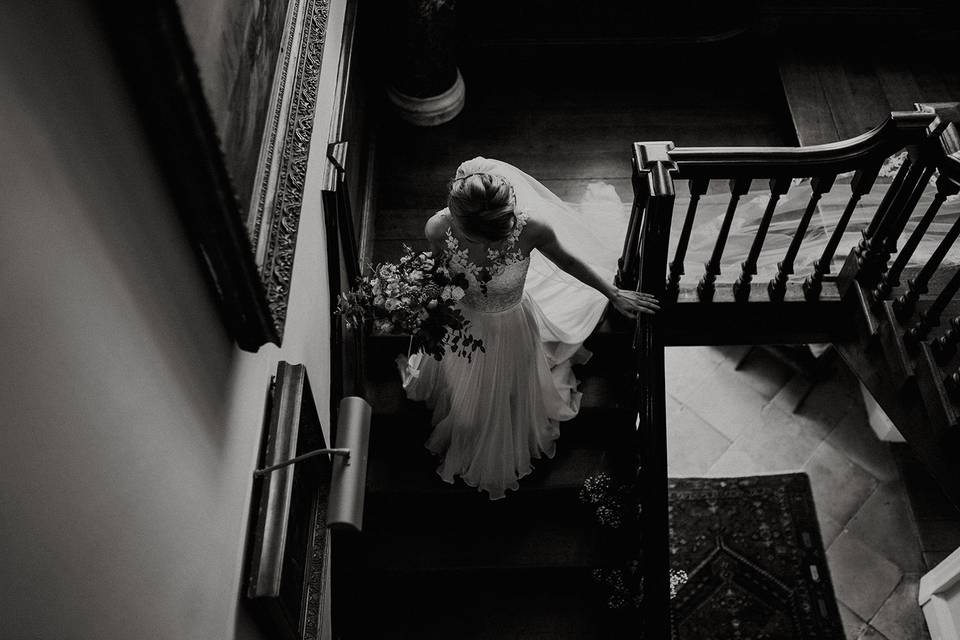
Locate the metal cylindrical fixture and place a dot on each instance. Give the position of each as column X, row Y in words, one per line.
column 348, row 484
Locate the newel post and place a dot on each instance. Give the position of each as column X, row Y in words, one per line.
column 654, row 168
column 652, row 183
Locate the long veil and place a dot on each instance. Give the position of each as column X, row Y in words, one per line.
column 593, row 230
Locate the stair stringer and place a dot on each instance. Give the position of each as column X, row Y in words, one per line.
column 915, row 404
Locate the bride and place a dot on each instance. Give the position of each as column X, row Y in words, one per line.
column 540, row 274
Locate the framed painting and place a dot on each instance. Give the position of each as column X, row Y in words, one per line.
column 227, row 91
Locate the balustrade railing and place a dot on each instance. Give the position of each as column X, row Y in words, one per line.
column 930, row 139
column 653, row 185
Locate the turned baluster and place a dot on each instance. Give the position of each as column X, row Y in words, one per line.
column 930, row 317
column 698, row 187
column 907, row 204
column 952, row 383
column 628, row 264
column 706, row 288
column 924, row 159
column 891, row 278
column 777, row 288
column 945, row 346
column 870, row 246
column 861, row 184
column 906, row 303
column 888, row 197
column 748, row 269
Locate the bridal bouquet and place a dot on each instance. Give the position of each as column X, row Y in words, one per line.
column 418, row 296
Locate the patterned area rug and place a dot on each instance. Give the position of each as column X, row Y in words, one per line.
column 754, row 560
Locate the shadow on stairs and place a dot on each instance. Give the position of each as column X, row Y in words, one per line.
column 441, row 561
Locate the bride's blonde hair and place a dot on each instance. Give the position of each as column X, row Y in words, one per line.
column 483, row 204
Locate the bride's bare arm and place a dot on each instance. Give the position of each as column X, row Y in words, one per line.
column 434, row 231
column 625, row 301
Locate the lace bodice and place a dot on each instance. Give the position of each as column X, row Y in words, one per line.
column 507, row 268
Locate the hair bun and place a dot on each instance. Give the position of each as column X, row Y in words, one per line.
column 483, row 204
column 474, row 165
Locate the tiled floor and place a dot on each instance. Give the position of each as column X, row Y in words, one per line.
column 727, row 422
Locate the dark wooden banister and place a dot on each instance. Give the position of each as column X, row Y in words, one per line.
column 901, row 129
column 653, row 184
column 932, row 144
column 946, row 114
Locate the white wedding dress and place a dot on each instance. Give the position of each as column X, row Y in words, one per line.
column 496, row 414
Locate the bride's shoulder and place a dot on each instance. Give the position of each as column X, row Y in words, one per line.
column 437, row 225
column 536, row 230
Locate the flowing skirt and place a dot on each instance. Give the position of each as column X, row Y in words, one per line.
column 493, row 416
column 496, row 414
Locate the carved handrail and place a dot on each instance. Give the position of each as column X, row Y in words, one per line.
column 901, row 129
column 945, row 123
column 653, row 183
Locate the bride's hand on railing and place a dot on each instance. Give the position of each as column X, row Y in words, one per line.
column 630, row 303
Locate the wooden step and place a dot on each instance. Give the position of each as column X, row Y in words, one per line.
column 890, row 336
column 402, row 464
column 520, row 605
column 930, row 381
column 922, row 414
column 458, row 532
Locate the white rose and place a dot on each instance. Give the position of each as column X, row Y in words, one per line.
column 445, row 294
column 391, row 304
column 457, row 293
column 416, row 275
column 378, row 301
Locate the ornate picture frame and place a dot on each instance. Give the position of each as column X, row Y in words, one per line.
column 236, row 180
column 286, row 552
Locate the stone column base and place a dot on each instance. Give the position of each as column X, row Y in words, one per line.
column 429, row 112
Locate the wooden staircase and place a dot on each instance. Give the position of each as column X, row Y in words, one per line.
column 440, row 561
column 888, row 320
column 916, row 388
column 444, row 561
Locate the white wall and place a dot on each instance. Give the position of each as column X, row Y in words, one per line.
column 129, row 423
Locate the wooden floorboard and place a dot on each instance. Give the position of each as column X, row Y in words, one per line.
column 571, row 120
column 899, row 85
column 858, row 103
column 806, row 97
column 836, row 94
